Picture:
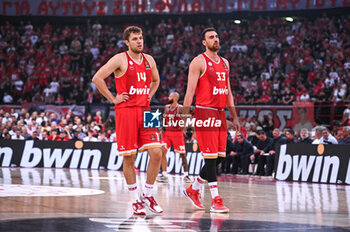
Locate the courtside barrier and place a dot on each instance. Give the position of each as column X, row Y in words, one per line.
column 78, row 154
column 313, row 163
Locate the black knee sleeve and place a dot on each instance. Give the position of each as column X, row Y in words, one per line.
column 208, row 171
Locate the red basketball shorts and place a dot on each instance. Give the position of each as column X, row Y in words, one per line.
column 211, row 132
column 130, row 132
column 175, row 138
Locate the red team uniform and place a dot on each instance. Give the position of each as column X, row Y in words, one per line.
column 212, row 92
column 129, row 115
column 173, row 134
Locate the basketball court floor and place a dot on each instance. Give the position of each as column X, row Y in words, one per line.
column 97, row 200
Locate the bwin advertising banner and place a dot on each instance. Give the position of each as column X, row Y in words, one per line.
column 313, row 163
column 78, row 154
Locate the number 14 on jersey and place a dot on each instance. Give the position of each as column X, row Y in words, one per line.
column 141, row 76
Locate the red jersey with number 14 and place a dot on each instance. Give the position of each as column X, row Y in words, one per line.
column 136, row 82
column 212, row 87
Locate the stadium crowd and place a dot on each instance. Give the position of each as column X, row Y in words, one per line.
column 272, row 61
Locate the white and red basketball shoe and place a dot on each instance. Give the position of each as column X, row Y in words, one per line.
column 151, row 203
column 139, row 208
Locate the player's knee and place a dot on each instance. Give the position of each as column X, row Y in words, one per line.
column 128, row 161
column 155, row 154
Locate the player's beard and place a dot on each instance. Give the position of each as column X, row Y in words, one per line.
column 171, row 101
column 214, row 47
column 136, row 50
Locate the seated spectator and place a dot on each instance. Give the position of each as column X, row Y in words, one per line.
column 304, row 137
column 34, row 136
column 54, row 135
column 290, row 136
column 327, row 138
column 346, row 136
column 17, row 135
column 242, row 150
column 90, row 137
column 278, row 139
column 318, row 134
column 261, row 151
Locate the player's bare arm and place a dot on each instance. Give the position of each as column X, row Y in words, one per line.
column 115, row 64
column 195, row 70
column 230, row 102
column 155, row 77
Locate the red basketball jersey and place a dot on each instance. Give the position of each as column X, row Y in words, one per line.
column 212, row 87
column 136, row 82
column 172, row 118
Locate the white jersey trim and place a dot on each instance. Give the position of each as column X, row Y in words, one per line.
column 205, row 66
column 127, row 66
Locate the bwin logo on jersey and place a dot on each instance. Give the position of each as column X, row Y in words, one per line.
column 151, row 119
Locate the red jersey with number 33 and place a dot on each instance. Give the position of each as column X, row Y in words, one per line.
column 136, row 82
column 212, row 87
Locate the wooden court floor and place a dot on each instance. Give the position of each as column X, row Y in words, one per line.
column 41, row 199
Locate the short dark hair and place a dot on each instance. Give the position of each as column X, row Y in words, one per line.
column 129, row 30
column 239, row 135
column 207, row 30
column 291, row 131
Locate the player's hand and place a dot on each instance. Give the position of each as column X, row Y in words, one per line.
column 149, row 97
column 236, row 125
column 123, row 97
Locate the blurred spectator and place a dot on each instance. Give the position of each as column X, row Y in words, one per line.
column 290, row 136
column 90, row 137
column 327, row 138
column 346, row 136
column 304, row 137
column 17, row 135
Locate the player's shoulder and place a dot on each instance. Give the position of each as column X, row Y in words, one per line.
column 148, row 57
column 198, row 60
column 225, row 60
column 119, row 56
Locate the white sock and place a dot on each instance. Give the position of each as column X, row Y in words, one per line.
column 164, row 173
column 133, row 191
column 197, row 183
column 148, row 190
column 186, row 173
column 213, row 186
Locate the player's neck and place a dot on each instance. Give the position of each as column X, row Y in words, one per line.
column 174, row 104
column 135, row 56
column 212, row 55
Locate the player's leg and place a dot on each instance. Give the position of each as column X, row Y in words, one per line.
column 152, row 172
column 149, row 140
column 164, row 164
column 126, row 130
column 217, row 204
